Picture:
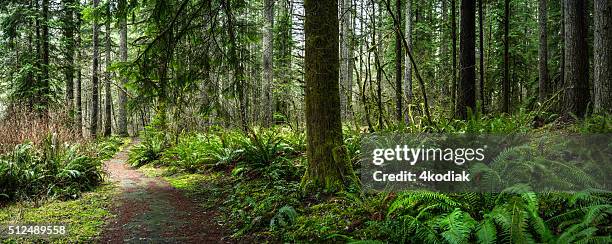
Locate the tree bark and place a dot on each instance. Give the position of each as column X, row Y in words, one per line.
column 329, row 169
column 576, row 57
column 93, row 128
column 443, row 50
column 398, row 66
column 506, row 78
column 466, row 95
column 454, row 51
column 377, row 47
column 78, row 118
column 346, row 59
column 107, row 76
column 481, row 17
column 407, row 65
column 603, row 56
column 122, row 129
column 268, row 61
column 543, row 52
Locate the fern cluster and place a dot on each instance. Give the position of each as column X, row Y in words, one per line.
column 53, row 170
column 516, row 215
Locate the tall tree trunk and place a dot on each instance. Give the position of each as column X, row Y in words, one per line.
column 239, row 83
column 466, row 95
column 346, row 59
column 603, row 56
column 506, row 78
column 443, row 50
column 329, row 168
column 481, row 17
column 454, row 51
column 68, row 24
column 543, row 52
column 78, row 113
column 45, row 79
column 122, row 129
column 560, row 84
column 576, row 57
column 377, row 47
column 107, row 76
column 268, row 61
column 407, row 65
column 93, row 128
column 398, row 66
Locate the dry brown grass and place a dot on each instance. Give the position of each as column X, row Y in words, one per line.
column 20, row 124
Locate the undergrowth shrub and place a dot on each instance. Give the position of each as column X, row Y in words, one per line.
column 52, row 170
column 262, row 198
column 149, row 150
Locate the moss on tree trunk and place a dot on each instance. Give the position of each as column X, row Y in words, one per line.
column 329, row 169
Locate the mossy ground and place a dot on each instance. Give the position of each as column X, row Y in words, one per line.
column 84, row 216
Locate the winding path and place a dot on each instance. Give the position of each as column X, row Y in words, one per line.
column 149, row 210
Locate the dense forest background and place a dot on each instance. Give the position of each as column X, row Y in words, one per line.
column 112, row 66
column 265, row 102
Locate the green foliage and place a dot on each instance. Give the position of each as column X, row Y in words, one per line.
column 54, row 171
column 149, row 150
column 256, row 177
column 595, row 124
column 283, row 218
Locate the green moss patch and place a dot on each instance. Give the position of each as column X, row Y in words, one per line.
column 85, row 216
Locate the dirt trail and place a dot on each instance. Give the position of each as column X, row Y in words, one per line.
column 149, row 210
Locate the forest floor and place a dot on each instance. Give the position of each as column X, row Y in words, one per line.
column 148, row 209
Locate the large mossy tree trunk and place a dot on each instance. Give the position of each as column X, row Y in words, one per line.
column 329, row 169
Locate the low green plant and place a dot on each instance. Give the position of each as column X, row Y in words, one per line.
column 53, row 170
column 149, row 150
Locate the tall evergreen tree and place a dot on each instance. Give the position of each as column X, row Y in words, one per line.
column 69, row 50
column 407, row 64
column 398, row 65
column 268, row 60
column 329, row 169
column 93, row 127
column 543, row 51
column 576, row 57
column 506, row 75
column 108, row 100
column 122, row 129
column 466, row 92
column 602, row 62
